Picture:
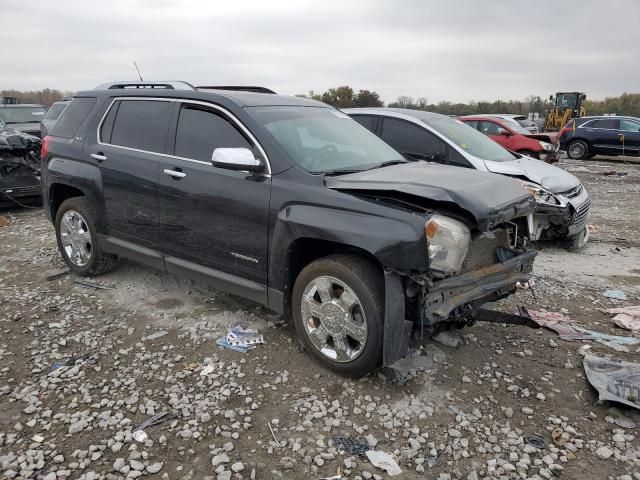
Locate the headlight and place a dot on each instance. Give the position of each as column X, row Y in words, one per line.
column 547, row 146
column 448, row 242
column 542, row 196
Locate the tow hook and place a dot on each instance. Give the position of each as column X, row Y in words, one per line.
column 522, row 318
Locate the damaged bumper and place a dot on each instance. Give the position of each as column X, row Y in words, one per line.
column 567, row 220
column 450, row 296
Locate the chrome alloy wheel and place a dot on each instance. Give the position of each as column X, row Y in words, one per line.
column 75, row 238
column 334, row 319
column 577, row 150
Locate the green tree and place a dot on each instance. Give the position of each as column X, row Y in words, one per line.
column 340, row 97
column 367, row 98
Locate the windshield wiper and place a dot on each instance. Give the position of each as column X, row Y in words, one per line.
column 386, row 164
column 357, row 170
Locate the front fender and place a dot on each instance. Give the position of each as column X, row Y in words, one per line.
column 397, row 242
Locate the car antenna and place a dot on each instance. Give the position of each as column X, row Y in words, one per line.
column 138, row 70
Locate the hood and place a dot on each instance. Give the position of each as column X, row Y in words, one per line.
column 552, row 178
column 30, row 128
column 549, row 137
column 490, row 199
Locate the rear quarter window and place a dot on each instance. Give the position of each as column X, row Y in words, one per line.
column 73, row 117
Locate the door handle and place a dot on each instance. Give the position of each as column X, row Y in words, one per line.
column 99, row 156
column 174, row 173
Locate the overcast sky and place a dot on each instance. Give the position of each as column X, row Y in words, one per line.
column 455, row 50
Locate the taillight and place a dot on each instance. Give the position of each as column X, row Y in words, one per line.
column 45, row 147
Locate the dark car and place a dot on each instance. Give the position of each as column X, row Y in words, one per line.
column 52, row 116
column 23, row 117
column 287, row 202
column 586, row 137
column 19, row 169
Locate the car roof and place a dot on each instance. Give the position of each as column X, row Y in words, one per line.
column 396, row 112
column 592, row 117
column 240, row 98
column 15, row 105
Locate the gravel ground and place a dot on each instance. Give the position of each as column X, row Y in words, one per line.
column 147, row 345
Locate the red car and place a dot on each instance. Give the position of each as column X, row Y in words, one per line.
column 513, row 136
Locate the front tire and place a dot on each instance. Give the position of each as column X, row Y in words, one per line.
column 78, row 240
column 578, row 150
column 338, row 311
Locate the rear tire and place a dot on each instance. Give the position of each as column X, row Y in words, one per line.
column 338, row 310
column 578, row 150
column 78, row 240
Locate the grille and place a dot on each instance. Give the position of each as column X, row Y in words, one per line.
column 482, row 250
column 574, row 192
column 582, row 214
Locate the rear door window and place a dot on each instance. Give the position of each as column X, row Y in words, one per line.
column 200, row 131
column 610, row 123
column 411, row 140
column 367, row 121
column 73, row 117
column 55, row 111
column 629, row 125
column 139, row 124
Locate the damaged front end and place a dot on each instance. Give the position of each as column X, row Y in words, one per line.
column 19, row 169
column 494, row 262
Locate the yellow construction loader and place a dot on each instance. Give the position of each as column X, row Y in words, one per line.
column 566, row 105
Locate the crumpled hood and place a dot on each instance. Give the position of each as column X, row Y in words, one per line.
column 28, row 128
column 552, row 178
column 491, row 199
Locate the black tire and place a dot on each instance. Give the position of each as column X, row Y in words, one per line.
column 99, row 262
column 367, row 282
column 578, row 150
column 528, row 153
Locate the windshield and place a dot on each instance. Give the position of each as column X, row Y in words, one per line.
column 514, row 125
column 322, row 140
column 55, row 111
column 566, row 100
column 470, row 140
column 22, row 114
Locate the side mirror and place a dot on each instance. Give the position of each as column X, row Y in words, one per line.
column 236, row 159
column 503, row 132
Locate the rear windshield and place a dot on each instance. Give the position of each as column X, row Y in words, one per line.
column 11, row 115
column 470, row 140
column 73, row 116
column 55, row 111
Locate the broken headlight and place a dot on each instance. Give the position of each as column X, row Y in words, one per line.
column 448, row 242
column 547, row 147
column 542, row 195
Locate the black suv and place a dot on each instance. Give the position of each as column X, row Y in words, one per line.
column 287, row 202
column 586, row 137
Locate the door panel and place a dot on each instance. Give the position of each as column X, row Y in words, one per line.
column 604, row 135
column 214, row 217
column 132, row 137
column 631, row 131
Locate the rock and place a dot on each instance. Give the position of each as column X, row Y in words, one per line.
column 508, row 412
column 237, row 467
column 136, row 465
column 155, row 467
column 604, row 452
column 220, row 458
column 448, row 338
column 527, row 410
column 118, row 464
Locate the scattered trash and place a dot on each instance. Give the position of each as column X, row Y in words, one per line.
column 207, row 370
column 569, row 331
column 140, row 435
column 614, row 173
column 4, row 221
column 337, row 476
column 242, row 335
column 67, row 362
column 384, row 461
column 432, row 461
column 536, row 440
column 57, row 274
column 616, row 342
column 274, row 435
column 615, row 380
column 626, row 317
column 155, row 335
column 615, row 294
column 37, row 438
column 351, row 446
column 625, row 422
column 560, row 437
column 448, row 338
column 240, row 338
column 89, row 284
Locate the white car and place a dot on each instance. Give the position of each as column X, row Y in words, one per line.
column 562, row 203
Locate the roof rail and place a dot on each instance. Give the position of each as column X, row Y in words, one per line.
column 238, row 88
column 159, row 85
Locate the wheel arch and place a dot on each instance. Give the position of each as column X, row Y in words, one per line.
column 58, row 193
